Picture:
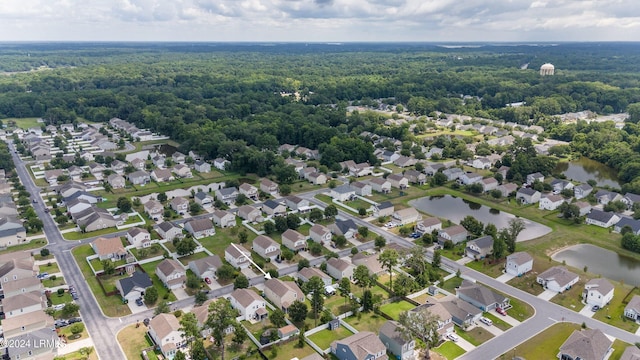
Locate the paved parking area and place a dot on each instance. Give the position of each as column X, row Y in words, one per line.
column 467, row 346
column 547, row 295
column 180, row 293
column 505, row 277
column 135, row 308
column 586, row 311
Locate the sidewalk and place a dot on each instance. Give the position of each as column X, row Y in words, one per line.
column 75, row 346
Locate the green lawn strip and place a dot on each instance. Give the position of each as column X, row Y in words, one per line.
column 451, row 284
column 336, row 304
column 613, row 314
column 186, row 259
column 80, row 235
column 485, row 266
column 50, row 268
column 49, row 283
column 110, row 305
column 572, row 298
column 33, row 244
column 287, row 351
column 394, row 309
column 455, row 253
column 109, row 281
column 66, row 331
column 475, row 336
column 324, row 198
column 223, row 237
column 324, row 338
column 618, row 348
column 449, row 350
column 497, row 322
column 24, row 123
column 366, row 321
column 528, row 282
column 57, row 300
column 545, row 345
column 304, row 229
column 152, row 251
column 163, row 292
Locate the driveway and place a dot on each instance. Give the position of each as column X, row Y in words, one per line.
column 135, row 308
column 547, row 295
column 467, row 346
column 586, row 311
column 307, row 255
column 180, row 293
column 504, row 278
column 465, row 260
column 508, row 319
column 492, row 329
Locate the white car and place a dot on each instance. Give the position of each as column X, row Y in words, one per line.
column 486, row 321
column 453, row 337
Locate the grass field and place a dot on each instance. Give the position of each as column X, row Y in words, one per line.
column 57, row 300
column 485, row 266
column 289, row 351
column 223, row 237
column 613, row 314
column 394, row 309
column 186, row 259
column 50, row 268
column 449, row 350
column 163, row 292
column 133, row 340
column 110, row 305
column 80, row 355
column 50, row 282
column 324, row 338
column 545, row 345
column 366, row 322
column 497, row 322
column 23, row 123
column 451, row 284
column 33, row 244
column 572, row 298
column 475, row 336
column 75, row 235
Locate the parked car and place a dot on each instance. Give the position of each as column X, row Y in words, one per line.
column 44, row 275
column 595, row 308
column 207, row 280
column 501, row 311
column 146, row 321
column 74, row 320
column 60, row 323
column 453, row 337
column 46, row 210
column 139, row 302
column 486, row 321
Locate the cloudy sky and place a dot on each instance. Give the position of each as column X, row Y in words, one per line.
column 319, row 20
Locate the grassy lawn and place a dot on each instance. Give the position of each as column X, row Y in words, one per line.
column 50, row 268
column 49, row 283
column 109, row 281
column 572, row 298
column 527, row 282
column 133, row 340
column 613, row 314
column 150, row 269
column 33, row 244
column 336, row 304
column 151, row 251
column 456, row 253
column 24, row 123
column 304, row 229
column 324, row 338
column 66, row 331
column 290, row 351
column 258, row 328
column 80, row 235
column 223, row 237
column 394, row 309
column 486, row 267
column 618, row 348
column 110, row 305
column 497, row 322
column 366, row 322
column 520, row 310
column 545, row 345
column 475, row 336
column 449, row 350
column 80, row 355
column 451, row 284
column 57, row 300
column 186, row 259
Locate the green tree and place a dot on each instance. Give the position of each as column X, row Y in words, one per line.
column 303, row 263
column 189, row 327
column 361, row 276
column 293, row 221
column 269, row 227
column 186, row 246
column 179, row 356
column 70, row 309
column 316, row 215
column 241, row 282
column 344, row 286
column 195, row 208
column 330, row 211
column 226, row 272
column 499, row 248
column 363, row 231
column 380, row 242
column 437, row 258
column 298, row 312
column 315, row 287
column 472, row 225
column 198, row 351
column 221, row 316
column 421, row 324
column 277, row 318
column 162, row 308
column 124, row 204
column 281, row 223
column 200, row 298
column 76, row 328
column 151, row 296
column 340, row 241
column 388, row 259
column 243, row 236
column 193, row 282
column 108, row 267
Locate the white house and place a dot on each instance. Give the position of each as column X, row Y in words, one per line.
column 221, row 164
column 342, row 193
column 481, row 163
column 489, row 184
column 601, row 218
column 380, row 185
column 428, row 225
column 339, row 269
column 632, row 310
column 406, row 216
column 223, row 218
column 164, row 329
column 140, row 238
column 250, row 305
column 557, row 279
column 168, row 230
column 469, row 178
column 519, row 263
column 171, row 273
column 206, row 267
column 550, row 202
column 528, row 196
column 531, row 178
column 598, row 292
column 398, row 181
column 266, row 247
column 237, row 256
column 320, row 234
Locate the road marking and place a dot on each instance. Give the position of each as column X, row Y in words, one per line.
column 120, row 320
column 552, row 319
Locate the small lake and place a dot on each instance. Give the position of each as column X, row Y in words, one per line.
column 600, row 261
column 455, row 209
column 585, row 169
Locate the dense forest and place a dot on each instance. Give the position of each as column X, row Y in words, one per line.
column 225, row 100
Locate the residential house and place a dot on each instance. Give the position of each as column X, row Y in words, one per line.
column 489, row 184
column 227, row 195
column 469, row 178
column 528, row 196
column 221, row 164
column 582, row 191
column 182, row 171
column 380, row 185
column 550, row 202
column 317, row 178
column 178, row 157
column 164, row 330
column 203, row 199
column 93, row 199
column 139, row 177
column 507, row 189
column 118, row 166
column 305, row 274
column 342, row 193
column 274, row 208
column 455, row 234
column 12, row 232
column 96, row 219
column 171, row 273
column 481, row 163
column 598, row 291
column 200, row 228
column 140, row 238
column 583, row 206
column 225, row 219
column 116, row 181
column 392, row 337
column 297, row 203
column 320, row 234
column 75, row 171
column 630, row 199
column 445, row 319
column 370, row 261
column 51, row 176
column 453, row 173
column 21, row 286
column 557, row 279
column 601, row 218
column 632, row 310
column 406, row 216
column 282, row 293
column 206, row 267
column 587, row 344
column 96, row 169
column 632, row 223
column 266, row 247
column 35, row 344
column 385, row 208
column 362, row 169
column 519, row 263
column 249, row 213
column 237, row 256
column 23, row 303
column 202, row 166
column 388, row 156
column 179, row 205
column 169, row 230
column 605, row 196
column 162, row 175
column 631, row 353
column 415, row 177
column 159, row 160
column 428, row 225
column 481, row 296
column 479, row 248
column 398, row 181
column 559, row 185
column 249, row 191
column 294, row 241
column 138, row 164
column 339, row 269
column 346, row 228
column 134, row 286
column 404, row 161
column 364, row 345
column 269, row 187
column 252, row 307
column 531, row 178
column 433, row 168
column 503, row 170
column 109, row 248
